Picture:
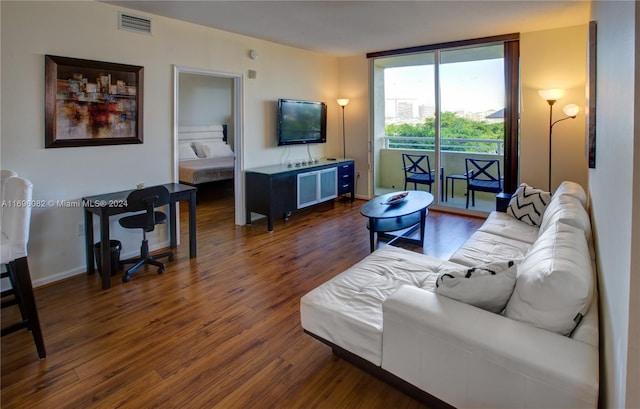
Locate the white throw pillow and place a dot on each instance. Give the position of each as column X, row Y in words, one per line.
column 186, row 152
column 212, row 149
column 555, row 284
column 488, row 286
column 527, row 204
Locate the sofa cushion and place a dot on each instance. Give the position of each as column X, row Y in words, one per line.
column 487, row 286
column 568, row 210
column 527, row 204
column 347, row 310
column 573, row 189
column 501, row 224
column 554, row 285
column 483, row 247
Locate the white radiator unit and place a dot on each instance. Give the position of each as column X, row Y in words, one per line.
column 137, row 24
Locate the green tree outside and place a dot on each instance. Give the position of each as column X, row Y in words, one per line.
column 452, row 127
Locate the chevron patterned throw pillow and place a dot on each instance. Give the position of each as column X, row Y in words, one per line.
column 527, row 204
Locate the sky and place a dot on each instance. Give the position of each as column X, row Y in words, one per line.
column 473, row 86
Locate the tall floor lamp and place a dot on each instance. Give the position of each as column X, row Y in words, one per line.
column 571, row 110
column 343, row 103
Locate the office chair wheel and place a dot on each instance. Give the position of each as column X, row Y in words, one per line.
column 171, row 257
column 160, row 270
column 126, row 278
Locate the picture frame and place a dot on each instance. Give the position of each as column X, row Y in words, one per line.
column 92, row 103
column 590, row 113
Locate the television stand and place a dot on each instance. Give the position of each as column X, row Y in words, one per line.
column 279, row 189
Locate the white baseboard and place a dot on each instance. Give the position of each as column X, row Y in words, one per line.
column 83, row 269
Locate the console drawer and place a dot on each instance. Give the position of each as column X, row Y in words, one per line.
column 345, row 178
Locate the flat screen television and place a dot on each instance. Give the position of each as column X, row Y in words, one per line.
column 301, row 122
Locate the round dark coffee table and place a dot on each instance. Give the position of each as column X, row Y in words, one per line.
column 403, row 217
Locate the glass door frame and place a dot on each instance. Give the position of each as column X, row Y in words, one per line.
column 511, row 124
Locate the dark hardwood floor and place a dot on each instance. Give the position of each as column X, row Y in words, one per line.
column 219, row 331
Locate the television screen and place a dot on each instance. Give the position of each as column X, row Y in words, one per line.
column 301, row 122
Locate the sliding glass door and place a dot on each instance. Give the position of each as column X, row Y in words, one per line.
column 471, row 122
column 448, row 105
column 407, row 117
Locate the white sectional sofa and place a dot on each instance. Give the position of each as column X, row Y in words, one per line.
column 386, row 315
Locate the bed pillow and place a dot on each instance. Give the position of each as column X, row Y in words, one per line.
column 186, row 152
column 213, row 149
column 527, row 204
column 488, row 286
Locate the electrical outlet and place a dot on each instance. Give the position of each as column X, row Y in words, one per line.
column 80, row 229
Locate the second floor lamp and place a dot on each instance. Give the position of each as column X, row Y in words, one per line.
column 571, row 110
column 343, row 103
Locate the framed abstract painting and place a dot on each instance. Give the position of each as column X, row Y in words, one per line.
column 89, row 103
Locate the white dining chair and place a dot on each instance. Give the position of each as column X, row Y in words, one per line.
column 15, row 219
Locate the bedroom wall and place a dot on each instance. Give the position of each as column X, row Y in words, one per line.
column 206, row 100
column 88, row 30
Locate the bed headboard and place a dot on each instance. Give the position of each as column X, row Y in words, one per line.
column 202, row 132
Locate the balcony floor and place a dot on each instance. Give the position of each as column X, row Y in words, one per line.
column 485, row 202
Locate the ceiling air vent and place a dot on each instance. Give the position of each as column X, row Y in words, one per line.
column 130, row 22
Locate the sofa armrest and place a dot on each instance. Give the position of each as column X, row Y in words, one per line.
column 470, row 357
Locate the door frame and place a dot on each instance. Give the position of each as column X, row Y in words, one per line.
column 238, row 135
column 511, row 44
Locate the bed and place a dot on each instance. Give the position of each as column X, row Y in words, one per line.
column 204, row 155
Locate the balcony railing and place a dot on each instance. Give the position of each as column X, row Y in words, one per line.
column 492, row 146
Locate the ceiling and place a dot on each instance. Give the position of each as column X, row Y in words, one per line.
column 355, row 27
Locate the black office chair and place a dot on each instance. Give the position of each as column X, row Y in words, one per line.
column 146, row 200
column 417, row 170
column 483, row 175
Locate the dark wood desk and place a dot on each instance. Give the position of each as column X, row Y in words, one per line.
column 110, row 204
column 407, row 214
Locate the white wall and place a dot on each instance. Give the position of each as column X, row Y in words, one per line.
column 613, row 186
column 552, row 59
column 88, row 30
column 353, row 85
column 206, row 100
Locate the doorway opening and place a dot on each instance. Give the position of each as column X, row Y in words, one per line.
column 208, row 129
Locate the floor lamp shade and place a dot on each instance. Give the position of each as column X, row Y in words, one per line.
column 551, row 94
column 571, row 110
